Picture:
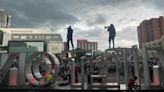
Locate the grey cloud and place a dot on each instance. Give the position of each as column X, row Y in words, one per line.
column 159, row 4
column 96, row 33
column 104, row 2
column 128, row 33
column 121, row 4
column 122, row 20
column 99, row 19
column 37, row 12
column 133, row 20
column 58, row 13
column 125, row 20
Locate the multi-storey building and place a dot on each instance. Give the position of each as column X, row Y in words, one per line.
column 31, row 36
column 150, row 30
column 87, row 45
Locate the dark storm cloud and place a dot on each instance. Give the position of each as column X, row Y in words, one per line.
column 125, row 3
column 28, row 13
column 88, row 16
column 103, row 2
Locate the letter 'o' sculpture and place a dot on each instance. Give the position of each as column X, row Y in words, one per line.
column 39, row 66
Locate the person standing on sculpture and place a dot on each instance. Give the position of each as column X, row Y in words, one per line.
column 112, row 34
column 69, row 37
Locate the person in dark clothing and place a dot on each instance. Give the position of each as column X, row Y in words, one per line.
column 69, row 37
column 112, row 34
column 151, row 69
column 132, row 69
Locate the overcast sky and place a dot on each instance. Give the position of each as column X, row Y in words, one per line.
column 87, row 17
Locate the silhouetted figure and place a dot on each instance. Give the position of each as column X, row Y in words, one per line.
column 157, row 61
column 112, row 34
column 69, row 37
column 151, row 69
column 132, row 69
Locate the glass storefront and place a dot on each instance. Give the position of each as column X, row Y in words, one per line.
column 28, row 47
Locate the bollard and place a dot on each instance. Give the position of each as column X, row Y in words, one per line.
column 156, row 80
column 13, row 78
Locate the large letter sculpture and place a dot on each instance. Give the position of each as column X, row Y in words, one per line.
column 36, row 68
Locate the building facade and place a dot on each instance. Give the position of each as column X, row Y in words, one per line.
column 53, row 40
column 150, row 30
column 87, row 45
column 5, row 19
